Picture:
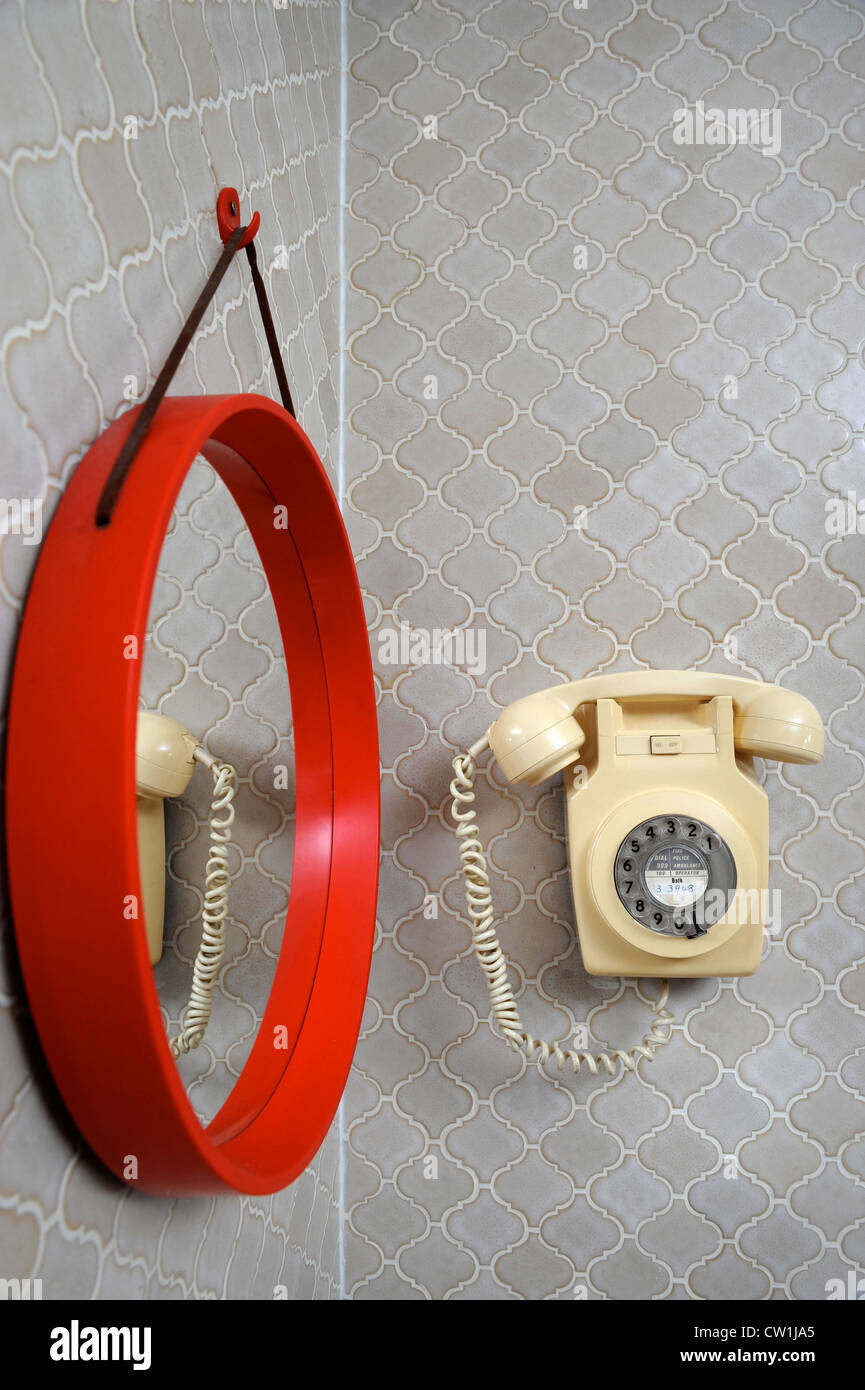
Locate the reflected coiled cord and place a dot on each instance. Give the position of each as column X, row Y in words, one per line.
column 217, row 879
column 491, row 957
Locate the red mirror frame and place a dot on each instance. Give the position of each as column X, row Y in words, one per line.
column 71, row 819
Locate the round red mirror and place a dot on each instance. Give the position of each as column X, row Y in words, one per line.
column 71, row 828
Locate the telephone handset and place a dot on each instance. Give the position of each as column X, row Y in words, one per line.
column 165, row 758
column 668, row 827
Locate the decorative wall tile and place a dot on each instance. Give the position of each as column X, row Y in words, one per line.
column 561, row 388
column 496, row 393
column 121, row 121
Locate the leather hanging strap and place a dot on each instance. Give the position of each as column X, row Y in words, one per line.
column 269, row 328
column 135, row 438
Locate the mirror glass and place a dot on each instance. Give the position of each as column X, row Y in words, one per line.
column 214, row 662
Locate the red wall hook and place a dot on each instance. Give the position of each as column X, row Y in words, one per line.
column 228, row 217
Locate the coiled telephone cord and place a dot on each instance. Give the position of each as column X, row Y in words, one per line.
column 217, row 878
column 489, row 952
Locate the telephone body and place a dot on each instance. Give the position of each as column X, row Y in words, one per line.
column 668, row 827
column 165, row 758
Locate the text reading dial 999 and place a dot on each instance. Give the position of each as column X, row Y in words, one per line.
column 675, row 875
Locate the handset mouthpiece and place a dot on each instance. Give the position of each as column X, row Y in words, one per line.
column 536, row 737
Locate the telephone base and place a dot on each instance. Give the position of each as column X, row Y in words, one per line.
column 739, row 956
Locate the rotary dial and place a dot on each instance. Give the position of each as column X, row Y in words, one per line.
column 675, row 875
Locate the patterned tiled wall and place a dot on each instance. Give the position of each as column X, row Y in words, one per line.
column 602, row 386
column 118, row 123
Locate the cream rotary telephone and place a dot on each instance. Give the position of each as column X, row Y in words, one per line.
column 667, row 827
column 165, row 758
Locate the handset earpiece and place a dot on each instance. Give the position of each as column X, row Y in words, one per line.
column 779, row 724
column 535, row 737
column 164, row 763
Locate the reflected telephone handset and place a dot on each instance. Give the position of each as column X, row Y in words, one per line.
column 165, row 758
column 667, row 825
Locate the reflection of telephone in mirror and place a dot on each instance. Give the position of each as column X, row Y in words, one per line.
column 165, row 758
column 667, row 824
